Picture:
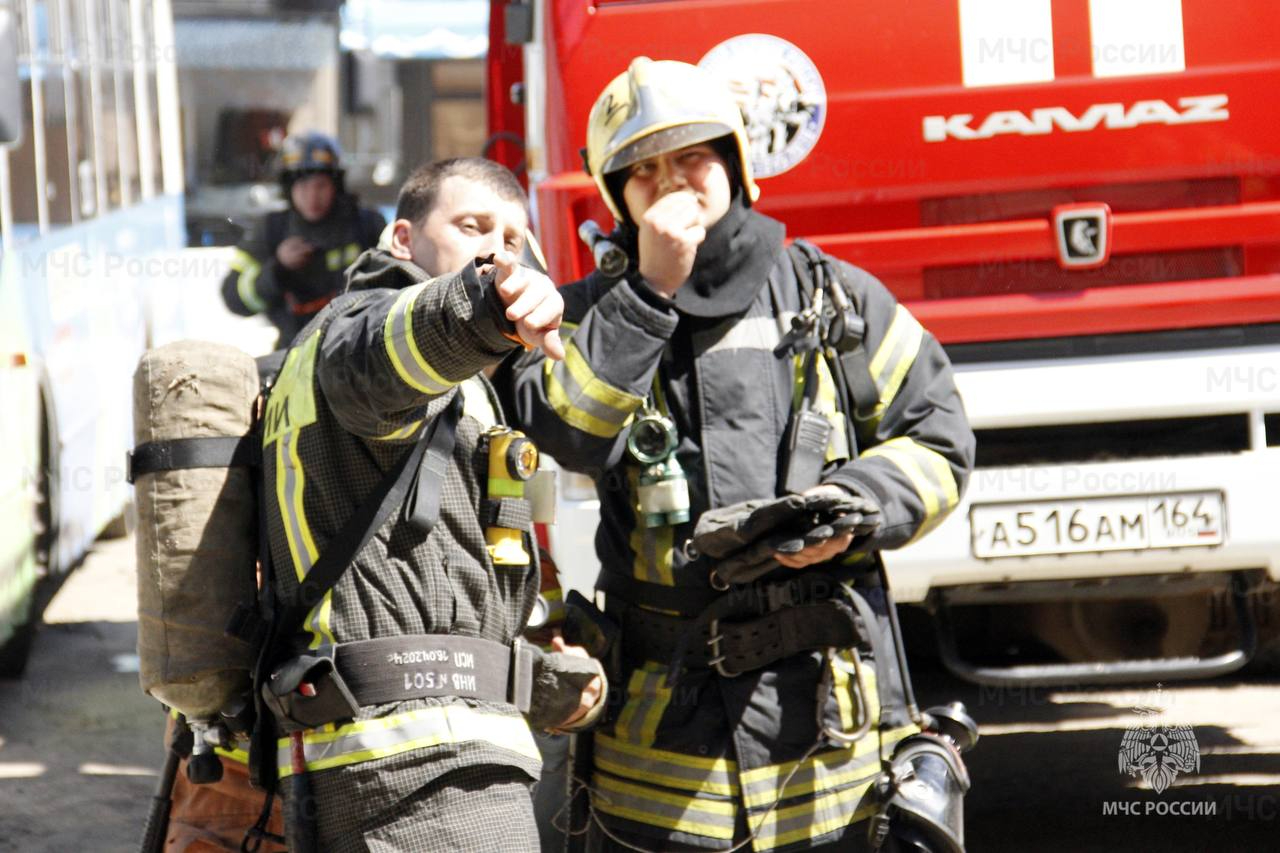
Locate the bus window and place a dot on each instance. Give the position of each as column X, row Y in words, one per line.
column 120, row 50
column 24, row 203
column 143, row 62
column 10, row 107
column 59, row 124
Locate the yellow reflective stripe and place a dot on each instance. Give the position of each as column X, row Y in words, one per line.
column 814, row 818
column 238, row 755
column 670, row 769
column 820, row 772
column 838, row 444
column 894, row 357
column 323, row 621
column 930, row 476
column 647, row 700
column 502, row 487
column 583, row 400
column 397, row 337
column 892, row 736
column 294, row 394
column 681, row 812
column 554, row 599
column 247, row 282
column 333, row 259
column 840, row 687
column 289, row 484
column 855, row 558
column 827, row 812
column 290, row 481
column 350, row 253
column 367, row 740
column 654, row 547
column 404, row 432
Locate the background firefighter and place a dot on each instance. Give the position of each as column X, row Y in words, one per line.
column 693, row 341
column 292, row 262
column 395, row 353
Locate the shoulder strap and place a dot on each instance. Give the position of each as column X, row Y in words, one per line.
column 853, row 364
column 181, row 453
column 415, row 483
column 801, row 253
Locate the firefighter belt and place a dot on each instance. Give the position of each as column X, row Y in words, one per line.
column 749, row 628
column 333, row 682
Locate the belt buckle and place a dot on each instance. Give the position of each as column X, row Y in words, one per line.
column 716, row 661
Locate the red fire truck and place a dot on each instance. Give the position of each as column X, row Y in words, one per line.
column 1081, row 200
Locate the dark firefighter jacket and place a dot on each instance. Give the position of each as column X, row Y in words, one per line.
column 703, row 763
column 356, row 387
column 258, row 284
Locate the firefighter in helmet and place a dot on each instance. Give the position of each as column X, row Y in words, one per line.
column 761, row 421
column 292, row 263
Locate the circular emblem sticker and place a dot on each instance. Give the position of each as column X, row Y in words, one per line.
column 780, row 92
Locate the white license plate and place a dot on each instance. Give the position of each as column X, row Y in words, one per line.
column 1083, row 525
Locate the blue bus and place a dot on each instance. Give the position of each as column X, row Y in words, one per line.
column 91, row 183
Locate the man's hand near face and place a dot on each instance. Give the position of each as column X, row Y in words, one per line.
column 670, row 233
column 532, row 303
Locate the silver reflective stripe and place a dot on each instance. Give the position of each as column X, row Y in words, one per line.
column 302, row 561
column 695, row 815
column 578, row 398
column 822, row 772
column 669, row 769
column 367, row 740
column 582, row 399
column 815, row 818
column 747, row 333
column 299, row 547
column 646, row 703
column 896, row 354
column 411, row 366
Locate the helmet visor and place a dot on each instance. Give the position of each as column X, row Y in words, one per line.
column 662, row 142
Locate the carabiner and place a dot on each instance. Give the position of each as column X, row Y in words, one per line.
column 862, row 717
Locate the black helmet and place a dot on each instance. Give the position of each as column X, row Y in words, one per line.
column 308, row 154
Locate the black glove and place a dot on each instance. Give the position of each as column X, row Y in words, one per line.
column 720, row 532
column 558, row 682
column 741, row 539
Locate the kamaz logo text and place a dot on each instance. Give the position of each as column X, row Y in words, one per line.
column 1193, row 110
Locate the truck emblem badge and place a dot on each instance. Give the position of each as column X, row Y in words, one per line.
column 1083, row 234
column 1157, row 752
column 781, row 94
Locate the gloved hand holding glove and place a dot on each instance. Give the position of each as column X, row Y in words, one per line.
column 744, row 540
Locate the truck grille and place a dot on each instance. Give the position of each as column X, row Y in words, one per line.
column 1116, row 440
column 999, row 276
